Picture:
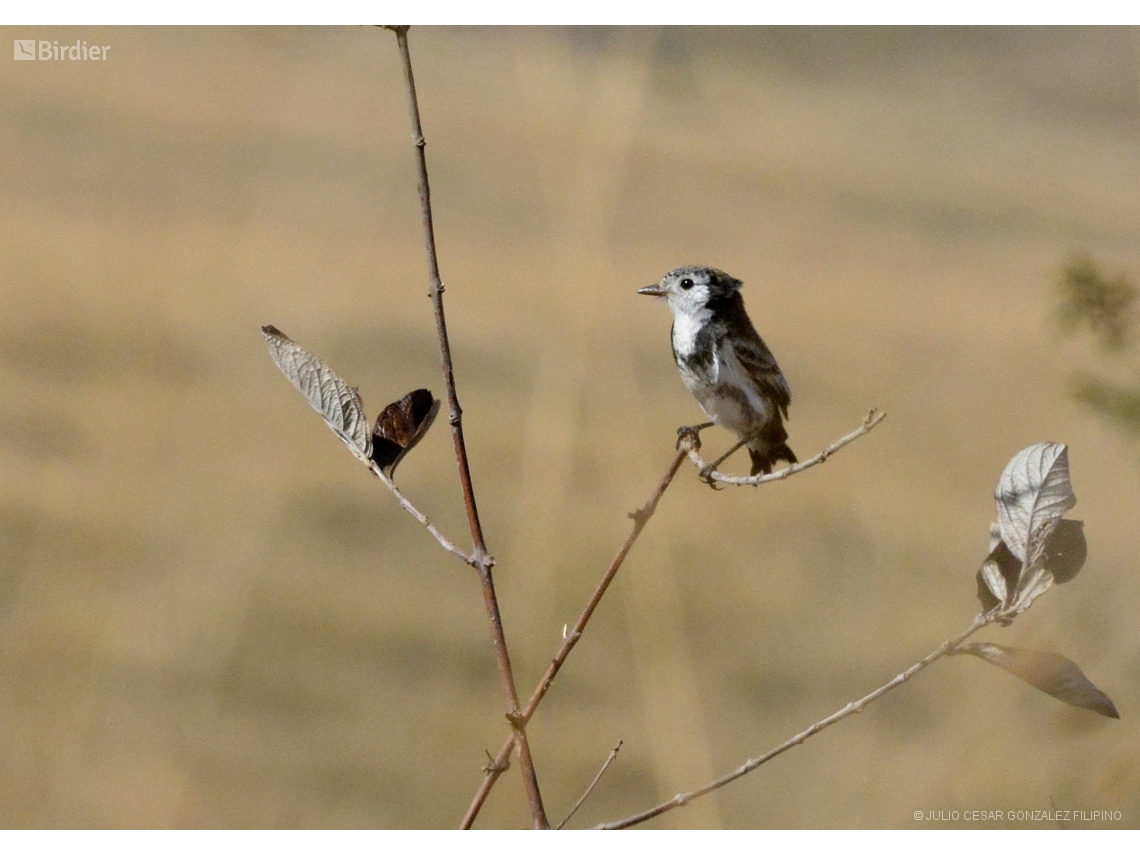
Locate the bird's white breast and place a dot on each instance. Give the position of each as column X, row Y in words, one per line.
column 686, row 325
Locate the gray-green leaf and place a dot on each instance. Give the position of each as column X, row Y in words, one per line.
column 335, row 400
column 1033, row 493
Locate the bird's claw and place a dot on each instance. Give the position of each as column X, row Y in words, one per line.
column 690, row 436
column 706, row 475
column 688, row 439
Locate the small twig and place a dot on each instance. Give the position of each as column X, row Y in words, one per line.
column 640, row 518
column 691, row 448
column 424, row 521
column 593, row 783
column 482, row 559
column 683, row 799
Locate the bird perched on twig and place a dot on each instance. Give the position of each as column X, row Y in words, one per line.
column 725, row 363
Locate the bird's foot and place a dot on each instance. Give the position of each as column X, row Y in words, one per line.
column 691, row 435
column 706, row 474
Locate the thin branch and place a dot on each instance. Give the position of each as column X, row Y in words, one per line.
column 683, row 799
column 640, row 518
column 691, row 445
column 482, row 558
column 593, row 783
column 423, row 520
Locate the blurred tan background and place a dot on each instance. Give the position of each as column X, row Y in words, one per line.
column 212, row 616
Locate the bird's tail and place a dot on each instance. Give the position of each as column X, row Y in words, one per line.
column 768, row 449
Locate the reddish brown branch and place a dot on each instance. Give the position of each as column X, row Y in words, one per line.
column 640, row 517
column 483, row 559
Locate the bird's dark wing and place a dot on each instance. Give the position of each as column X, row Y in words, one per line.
column 758, row 361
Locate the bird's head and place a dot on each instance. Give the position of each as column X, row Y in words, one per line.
column 689, row 290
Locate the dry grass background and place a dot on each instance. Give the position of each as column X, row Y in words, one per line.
column 210, row 615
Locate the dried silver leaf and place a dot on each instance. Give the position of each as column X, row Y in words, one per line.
column 335, row 400
column 995, row 535
column 1053, row 674
column 992, row 589
column 997, row 578
column 1034, row 582
column 1032, row 494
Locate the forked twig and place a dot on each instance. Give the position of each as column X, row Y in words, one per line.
column 691, row 446
column 593, row 783
column 683, row 799
column 482, row 559
column 640, row 518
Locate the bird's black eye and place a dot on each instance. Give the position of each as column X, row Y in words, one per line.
column 686, row 284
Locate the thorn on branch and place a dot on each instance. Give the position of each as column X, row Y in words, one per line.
column 493, row 766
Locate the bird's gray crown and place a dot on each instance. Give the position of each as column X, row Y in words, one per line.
column 718, row 283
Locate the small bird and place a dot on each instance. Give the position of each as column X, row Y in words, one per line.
column 725, row 363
